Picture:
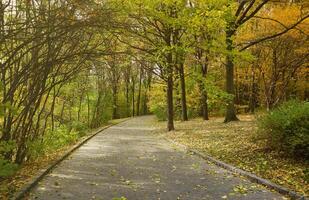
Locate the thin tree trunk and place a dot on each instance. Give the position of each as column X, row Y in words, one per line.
column 169, row 95
column 127, row 98
column 170, row 106
column 88, row 110
column 133, row 97
column 184, row 112
column 80, row 106
column 204, row 95
column 139, row 93
column 70, row 111
column 115, row 102
column 147, row 91
column 145, row 108
column 253, row 91
column 62, row 109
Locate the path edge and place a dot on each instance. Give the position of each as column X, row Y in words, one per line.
column 43, row 172
column 252, row 177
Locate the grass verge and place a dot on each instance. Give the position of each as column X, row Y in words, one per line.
column 235, row 143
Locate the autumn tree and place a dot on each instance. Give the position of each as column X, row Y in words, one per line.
column 43, row 46
column 235, row 19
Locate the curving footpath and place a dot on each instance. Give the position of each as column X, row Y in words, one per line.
column 126, row 161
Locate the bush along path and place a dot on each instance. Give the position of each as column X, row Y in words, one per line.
column 126, row 161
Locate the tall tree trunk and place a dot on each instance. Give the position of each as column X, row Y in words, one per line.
column 145, row 108
column 80, row 106
column 147, row 90
column 115, row 102
column 62, row 109
column 204, row 94
column 230, row 88
column 203, row 70
column 52, row 110
column 169, row 94
column 184, row 112
column 236, row 88
column 252, row 98
column 70, row 111
column 95, row 122
column 133, row 97
column 88, row 110
column 127, row 98
column 139, row 93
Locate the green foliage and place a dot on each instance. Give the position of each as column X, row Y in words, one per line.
column 157, row 102
column 306, row 175
column 121, row 198
column 60, row 137
column 79, row 127
column 7, row 106
column 54, row 140
column 6, row 167
column 160, row 112
column 286, row 128
column 217, row 97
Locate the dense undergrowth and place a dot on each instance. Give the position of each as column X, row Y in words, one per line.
column 51, row 141
column 42, row 151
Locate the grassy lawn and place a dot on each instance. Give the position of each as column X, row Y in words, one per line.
column 235, row 143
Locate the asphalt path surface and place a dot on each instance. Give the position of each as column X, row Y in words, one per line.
column 127, row 161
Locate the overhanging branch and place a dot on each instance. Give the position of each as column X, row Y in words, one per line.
column 287, row 29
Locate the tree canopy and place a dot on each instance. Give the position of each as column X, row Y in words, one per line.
column 68, row 66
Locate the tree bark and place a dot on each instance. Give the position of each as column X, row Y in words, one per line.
column 252, row 98
column 88, row 110
column 115, row 102
column 203, row 70
column 80, row 106
column 184, row 112
column 204, row 97
column 230, row 88
column 127, row 81
column 133, row 96
column 169, row 94
column 139, row 92
column 62, row 109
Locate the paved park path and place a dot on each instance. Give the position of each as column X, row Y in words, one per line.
column 127, row 160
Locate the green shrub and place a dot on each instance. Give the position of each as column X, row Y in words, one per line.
column 160, row 112
column 79, row 127
column 53, row 140
column 6, row 167
column 157, row 102
column 286, row 128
